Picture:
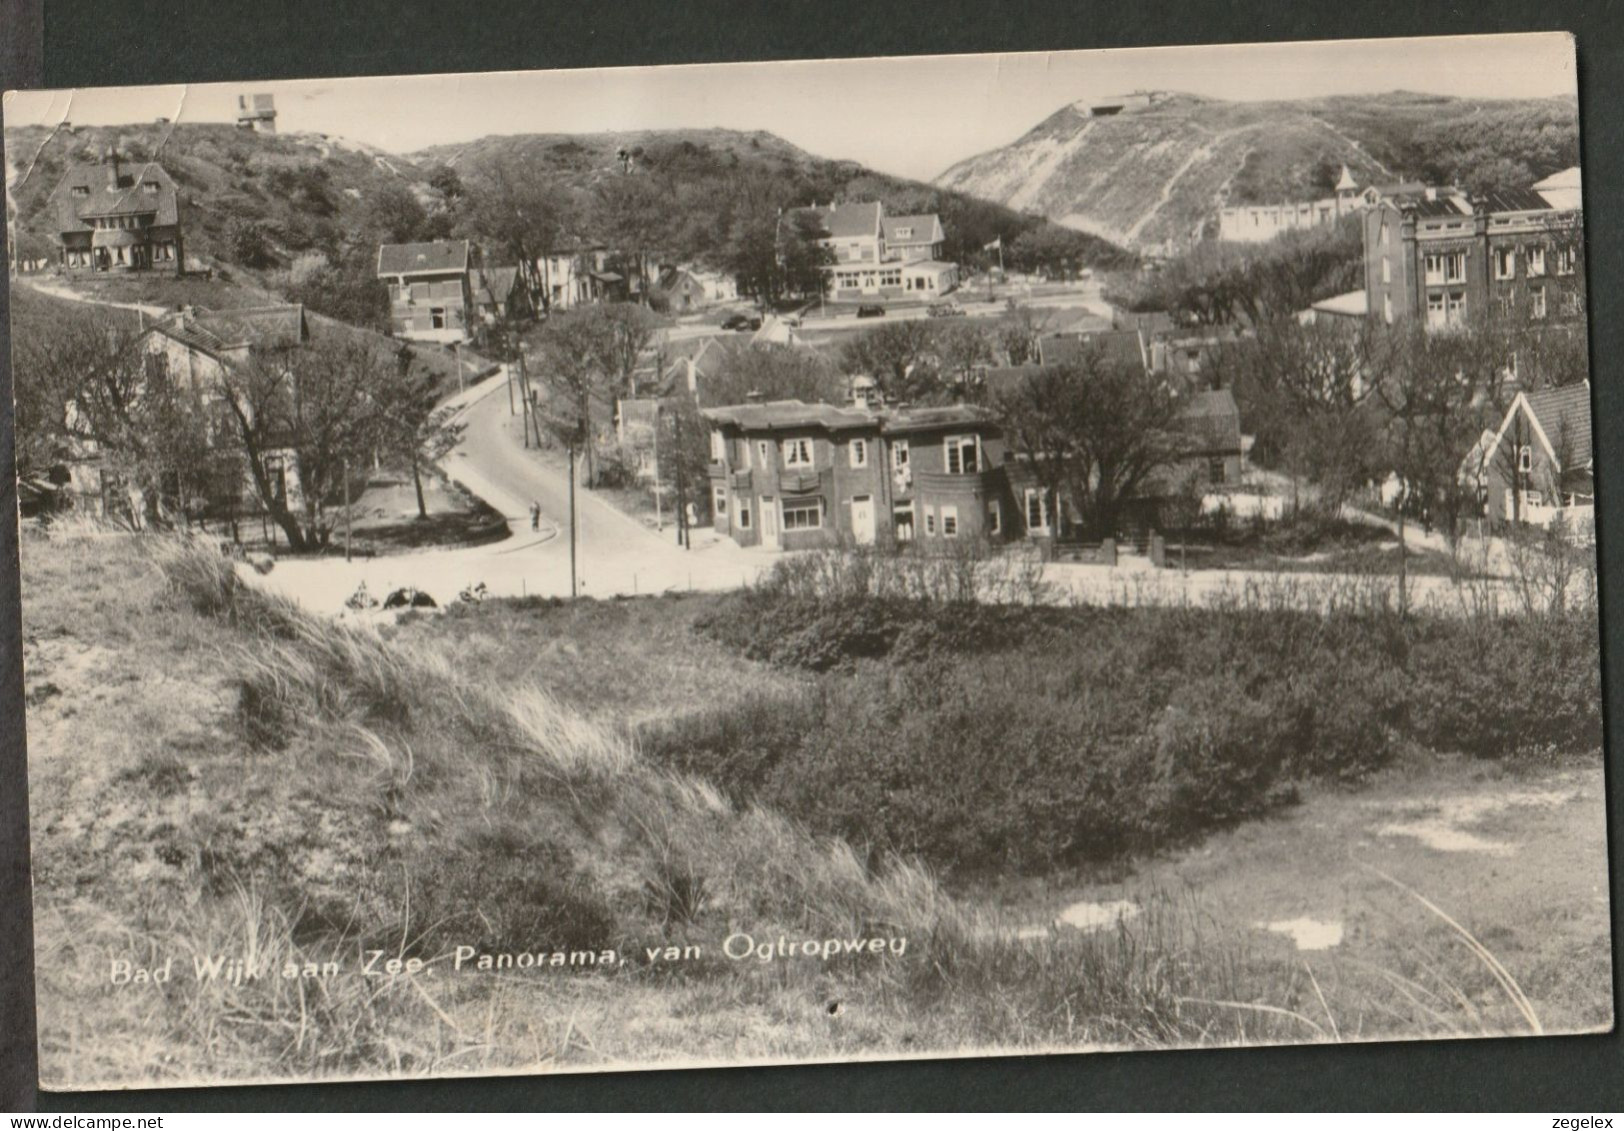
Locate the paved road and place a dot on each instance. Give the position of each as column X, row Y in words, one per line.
column 1086, row 297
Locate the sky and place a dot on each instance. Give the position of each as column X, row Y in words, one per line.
column 913, row 117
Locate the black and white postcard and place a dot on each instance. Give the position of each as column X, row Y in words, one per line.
column 832, row 560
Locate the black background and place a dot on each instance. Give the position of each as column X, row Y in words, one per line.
column 115, row 42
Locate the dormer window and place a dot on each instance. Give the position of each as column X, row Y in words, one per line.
column 904, row 233
column 150, row 187
column 80, row 191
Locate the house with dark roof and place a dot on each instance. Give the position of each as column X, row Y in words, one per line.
column 1539, row 461
column 430, row 289
column 114, row 216
column 789, row 475
column 499, row 294
column 879, row 257
column 1446, row 257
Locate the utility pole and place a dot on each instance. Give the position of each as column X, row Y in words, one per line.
column 682, row 490
column 659, row 518
column 575, row 590
column 347, row 527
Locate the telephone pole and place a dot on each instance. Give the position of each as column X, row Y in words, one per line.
column 575, row 590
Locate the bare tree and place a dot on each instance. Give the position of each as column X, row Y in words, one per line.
column 1097, row 431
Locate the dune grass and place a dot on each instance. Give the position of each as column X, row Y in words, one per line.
column 324, row 792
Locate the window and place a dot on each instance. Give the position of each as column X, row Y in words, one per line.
column 961, row 455
column 902, row 519
column 744, row 514
column 1536, row 302
column 1387, row 308
column 904, row 233
column 1215, row 469
column 1536, row 261
column 899, row 453
column 859, row 453
column 1525, row 459
column 1572, row 307
column 764, row 455
column 437, row 317
column 1506, row 303
column 1455, row 307
column 803, row 516
column 1435, row 309
column 1387, row 270
column 1505, row 263
column 718, row 447
column 995, row 517
column 950, row 522
column 798, row 452
column 1455, row 267
column 930, row 521
column 79, row 192
column 1567, row 260
column 1434, row 266
column 719, row 503
column 150, row 187
column 1037, row 512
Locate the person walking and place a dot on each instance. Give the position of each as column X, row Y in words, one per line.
column 535, row 515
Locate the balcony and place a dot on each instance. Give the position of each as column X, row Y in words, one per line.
column 798, row 482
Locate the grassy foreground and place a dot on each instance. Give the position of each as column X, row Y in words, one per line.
column 217, row 775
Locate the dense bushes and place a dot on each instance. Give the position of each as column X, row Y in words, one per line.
column 1016, row 738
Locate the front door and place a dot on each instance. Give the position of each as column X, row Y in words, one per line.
column 769, row 523
column 862, row 519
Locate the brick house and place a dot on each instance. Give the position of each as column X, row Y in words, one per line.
column 1443, row 256
column 430, row 289
column 1539, row 460
column 116, row 217
column 791, row 475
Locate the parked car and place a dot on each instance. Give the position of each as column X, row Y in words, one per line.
column 948, row 309
column 871, row 310
column 742, row 322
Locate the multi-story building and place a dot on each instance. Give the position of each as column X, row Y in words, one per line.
column 885, row 257
column 794, row 476
column 114, row 217
column 1445, row 257
column 576, row 273
column 430, row 297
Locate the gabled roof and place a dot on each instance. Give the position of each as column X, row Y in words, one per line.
column 844, row 221
column 1213, row 420
column 924, row 228
column 1563, row 416
column 1346, row 182
column 104, row 198
column 435, row 258
column 1567, row 179
column 216, row 332
column 493, row 282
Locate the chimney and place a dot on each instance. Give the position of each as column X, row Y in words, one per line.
column 110, row 159
column 754, row 396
